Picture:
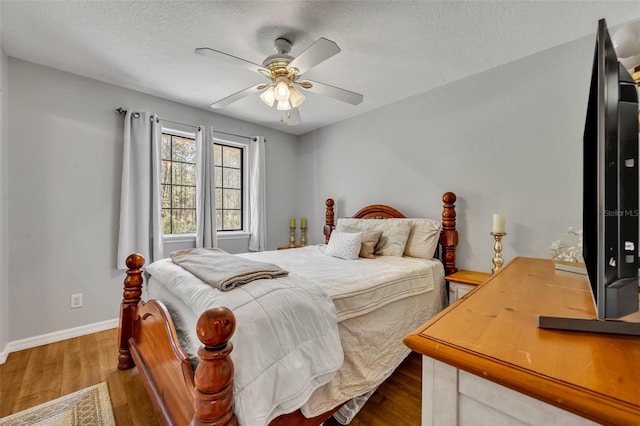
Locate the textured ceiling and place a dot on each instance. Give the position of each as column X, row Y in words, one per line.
column 390, row 49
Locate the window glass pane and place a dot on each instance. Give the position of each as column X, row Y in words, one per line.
column 232, row 157
column 165, row 192
column 184, row 149
column 166, row 147
column 165, row 171
column 184, row 220
column 166, row 221
column 217, row 155
column 218, row 177
column 232, row 198
column 232, row 220
column 184, row 197
column 183, row 174
column 219, row 219
column 226, row 156
column 231, row 178
column 218, row 198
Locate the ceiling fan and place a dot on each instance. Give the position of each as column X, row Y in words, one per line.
column 284, row 72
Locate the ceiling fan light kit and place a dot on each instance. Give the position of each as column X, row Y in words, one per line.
column 283, row 105
column 283, row 71
column 282, row 89
column 269, row 96
column 295, row 97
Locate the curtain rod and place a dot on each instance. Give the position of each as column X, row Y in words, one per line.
column 123, row 111
column 253, row 138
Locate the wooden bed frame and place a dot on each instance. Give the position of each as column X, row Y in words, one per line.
column 147, row 339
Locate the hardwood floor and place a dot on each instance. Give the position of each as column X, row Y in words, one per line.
column 33, row 376
column 398, row 401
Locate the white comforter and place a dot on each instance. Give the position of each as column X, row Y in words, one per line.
column 360, row 286
column 286, row 344
column 359, row 294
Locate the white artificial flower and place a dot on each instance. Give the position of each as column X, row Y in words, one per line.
column 561, row 251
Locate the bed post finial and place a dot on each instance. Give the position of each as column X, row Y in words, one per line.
column 129, row 308
column 449, row 234
column 329, row 223
column 213, row 396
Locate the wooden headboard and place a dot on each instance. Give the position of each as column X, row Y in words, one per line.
column 446, row 251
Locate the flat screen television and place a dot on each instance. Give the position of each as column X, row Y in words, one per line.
column 610, row 196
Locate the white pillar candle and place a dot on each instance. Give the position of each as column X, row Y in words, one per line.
column 498, row 223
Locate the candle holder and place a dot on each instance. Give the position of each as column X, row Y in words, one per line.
column 303, row 237
column 497, row 248
column 292, row 236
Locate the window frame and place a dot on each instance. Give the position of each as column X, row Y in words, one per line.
column 188, row 135
column 245, row 147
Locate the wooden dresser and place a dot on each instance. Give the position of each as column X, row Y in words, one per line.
column 486, row 362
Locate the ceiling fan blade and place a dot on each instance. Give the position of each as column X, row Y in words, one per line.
column 343, row 95
column 237, row 96
column 291, row 117
column 230, row 59
column 321, row 50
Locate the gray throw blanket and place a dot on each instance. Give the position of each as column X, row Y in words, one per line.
column 222, row 270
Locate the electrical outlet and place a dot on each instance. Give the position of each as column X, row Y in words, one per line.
column 76, row 300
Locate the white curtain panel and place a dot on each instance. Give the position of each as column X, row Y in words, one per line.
column 205, row 190
column 140, row 203
column 257, row 194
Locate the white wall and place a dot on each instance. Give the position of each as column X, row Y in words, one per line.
column 508, row 140
column 4, row 209
column 65, row 146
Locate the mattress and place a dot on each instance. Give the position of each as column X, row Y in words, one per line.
column 360, row 286
column 376, row 302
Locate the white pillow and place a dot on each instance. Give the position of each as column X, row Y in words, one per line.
column 369, row 240
column 423, row 238
column 345, row 245
column 394, row 233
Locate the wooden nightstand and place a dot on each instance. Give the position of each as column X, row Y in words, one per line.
column 462, row 282
column 287, row 247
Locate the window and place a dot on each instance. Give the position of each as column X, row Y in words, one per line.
column 229, row 179
column 178, row 184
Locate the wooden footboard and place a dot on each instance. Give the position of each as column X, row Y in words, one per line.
column 147, row 339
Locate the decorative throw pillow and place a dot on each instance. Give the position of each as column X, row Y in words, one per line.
column 345, row 245
column 369, row 241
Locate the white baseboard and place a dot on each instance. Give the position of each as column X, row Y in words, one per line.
column 4, row 354
column 56, row 336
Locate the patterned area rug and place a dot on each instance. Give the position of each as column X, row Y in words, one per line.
column 89, row 406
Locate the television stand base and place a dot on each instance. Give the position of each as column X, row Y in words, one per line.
column 591, row 325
